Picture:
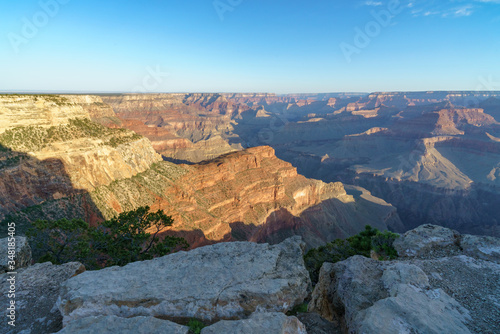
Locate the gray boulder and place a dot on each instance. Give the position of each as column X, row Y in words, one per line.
column 222, row 281
column 112, row 324
column 22, row 257
column 481, row 247
column 428, row 241
column 369, row 296
column 37, row 289
column 315, row 324
column 258, row 323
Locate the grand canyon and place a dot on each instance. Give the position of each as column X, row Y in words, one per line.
column 254, row 166
column 250, row 167
column 265, row 169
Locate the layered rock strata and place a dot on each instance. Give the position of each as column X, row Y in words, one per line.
column 247, row 195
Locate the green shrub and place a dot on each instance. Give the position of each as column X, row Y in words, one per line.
column 302, row 308
column 363, row 243
column 195, row 326
column 117, row 241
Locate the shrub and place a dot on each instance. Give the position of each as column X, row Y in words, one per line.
column 363, row 243
column 117, row 241
column 35, row 138
column 195, row 326
column 302, row 308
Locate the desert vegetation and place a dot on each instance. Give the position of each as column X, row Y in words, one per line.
column 116, row 241
column 370, row 243
column 36, row 138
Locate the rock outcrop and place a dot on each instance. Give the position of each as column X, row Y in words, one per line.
column 112, row 324
column 184, row 127
column 258, row 323
column 36, row 290
column 22, row 257
column 376, row 297
column 248, row 195
column 51, row 149
column 223, row 281
column 433, row 288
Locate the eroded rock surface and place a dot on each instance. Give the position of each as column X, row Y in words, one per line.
column 370, row 296
column 258, row 323
column 223, row 281
column 315, row 324
column 37, row 290
column 248, row 195
column 427, row 240
column 112, row 324
column 443, row 282
column 22, row 255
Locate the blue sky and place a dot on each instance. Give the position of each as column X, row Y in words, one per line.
column 249, row 45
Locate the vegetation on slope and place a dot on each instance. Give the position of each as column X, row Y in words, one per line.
column 367, row 243
column 35, row 138
column 117, row 241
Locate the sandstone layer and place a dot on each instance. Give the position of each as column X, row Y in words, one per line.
column 247, row 195
column 51, row 149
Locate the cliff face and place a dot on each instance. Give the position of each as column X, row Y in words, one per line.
column 247, row 195
column 50, row 149
column 191, row 127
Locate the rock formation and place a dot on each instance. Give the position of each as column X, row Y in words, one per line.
column 112, row 324
column 247, row 195
column 22, row 257
column 189, row 127
column 441, row 284
column 36, row 293
column 223, row 281
column 258, row 323
column 50, row 149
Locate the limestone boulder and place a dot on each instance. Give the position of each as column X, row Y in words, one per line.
column 36, row 293
column 258, row 323
column 315, row 324
column 481, row 247
column 427, row 241
column 22, row 256
column 222, row 281
column 113, row 324
column 370, row 296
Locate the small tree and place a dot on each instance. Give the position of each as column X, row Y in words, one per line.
column 60, row 241
column 117, row 241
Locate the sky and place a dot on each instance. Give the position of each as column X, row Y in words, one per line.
column 272, row 46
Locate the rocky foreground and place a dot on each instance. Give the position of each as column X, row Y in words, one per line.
column 443, row 282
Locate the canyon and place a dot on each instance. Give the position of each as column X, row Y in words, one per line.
column 433, row 155
column 89, row 166
column 229, row 166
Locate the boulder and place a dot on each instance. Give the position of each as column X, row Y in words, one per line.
column 315, row 324
column 23, row 254
column 258, row 323
column 428, row 241
column 36, row 292
column 222, row 281
column 481, row 247
column 369, row 296
column 112, row 324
